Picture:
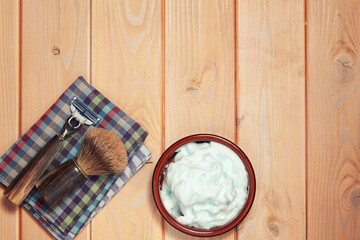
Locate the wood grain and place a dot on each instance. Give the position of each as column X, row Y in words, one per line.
column 199, row 74
column 172, row 66
column 333, row 119
column 9, row 103
column 55, row 185
column 25, row 181
column 55, row 51
column 199, row 68
column 271, row 115
column 127, row 68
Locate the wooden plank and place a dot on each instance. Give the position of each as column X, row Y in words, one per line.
column 127, row 68
column 333, row 119
column 55, row 51
column 199, row 74
column 9, row 104
column 271, row 115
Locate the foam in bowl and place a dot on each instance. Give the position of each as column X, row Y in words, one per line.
column 205, row 186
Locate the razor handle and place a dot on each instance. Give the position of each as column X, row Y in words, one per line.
column 59, row 182
column 20, row 187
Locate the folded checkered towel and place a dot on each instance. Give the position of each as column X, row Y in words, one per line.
column 76, row 210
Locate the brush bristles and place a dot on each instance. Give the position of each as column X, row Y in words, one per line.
column 101, row 153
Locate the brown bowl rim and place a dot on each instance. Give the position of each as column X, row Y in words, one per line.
column 192, row 231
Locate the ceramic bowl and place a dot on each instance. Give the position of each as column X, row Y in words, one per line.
column 158, row 178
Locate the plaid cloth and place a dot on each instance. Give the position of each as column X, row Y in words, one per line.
column 74, row 211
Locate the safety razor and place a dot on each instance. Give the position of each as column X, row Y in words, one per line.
column 25, row 181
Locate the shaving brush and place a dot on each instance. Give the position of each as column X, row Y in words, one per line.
column 101, row 153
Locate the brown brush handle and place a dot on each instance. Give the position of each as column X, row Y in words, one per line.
column 59, row 182
column 25, row 181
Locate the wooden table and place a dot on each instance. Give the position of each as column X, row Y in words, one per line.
column 279, row 78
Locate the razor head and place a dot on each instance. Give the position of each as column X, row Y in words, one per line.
column 82, row 112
